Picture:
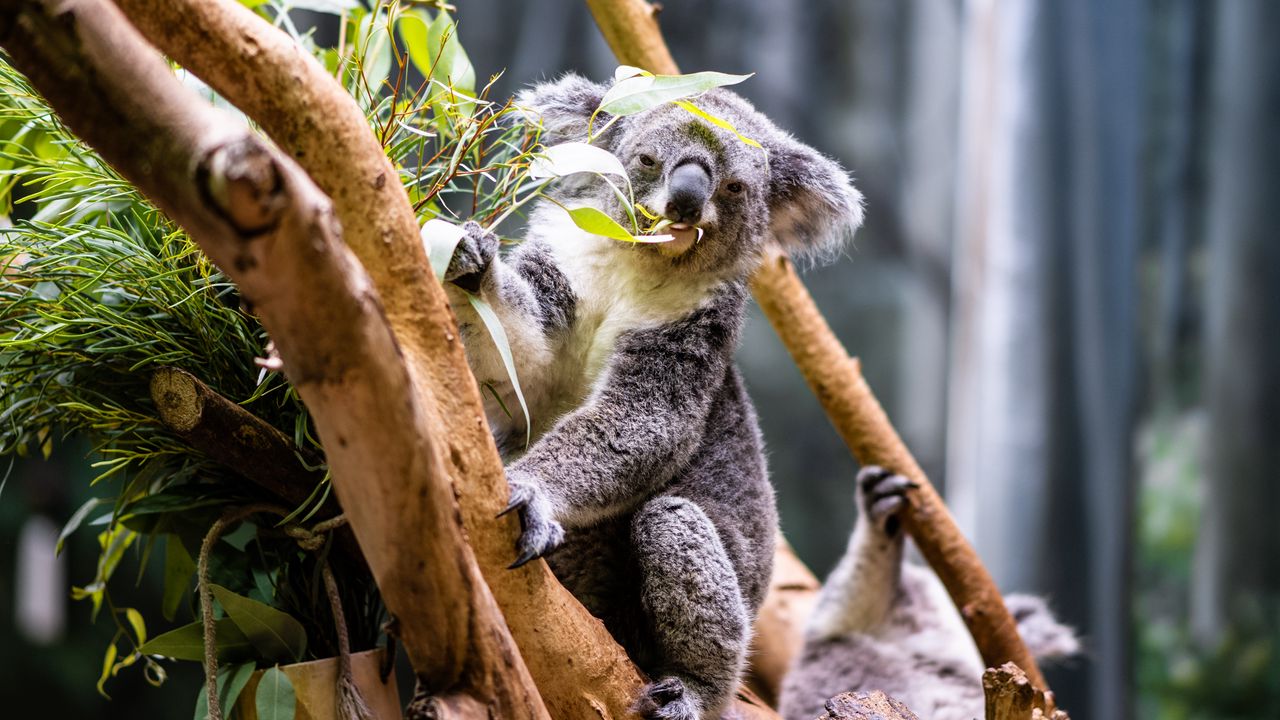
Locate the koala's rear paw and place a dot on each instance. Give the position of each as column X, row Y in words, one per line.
column 540, row 534
column 472, row 257
column 667, row 699
column 881, row 496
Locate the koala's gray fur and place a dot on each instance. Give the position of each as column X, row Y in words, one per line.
column 644, row 485
column 884, row 624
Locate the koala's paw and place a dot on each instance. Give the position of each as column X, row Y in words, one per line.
column 539, row 532
column 667, row 699
column 474, row 254
column 881, row 497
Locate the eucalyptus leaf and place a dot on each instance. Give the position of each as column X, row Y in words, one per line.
column 373, row 47
column 499, row 337
column 275, row 634
column 575, row 157
column 454, row 67
column 231, row 681
column 187, row 642
column 643, row 92
column 275, row 698
column 108, row 661
column 717, row 121
column 76, row 519
column 597, row 223
column 440, row 238
column 178, row 570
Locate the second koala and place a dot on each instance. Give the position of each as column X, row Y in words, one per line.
column 885, row 624
column 644, row 484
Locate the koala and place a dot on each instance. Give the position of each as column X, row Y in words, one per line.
column 643, row 483
column 884, row 624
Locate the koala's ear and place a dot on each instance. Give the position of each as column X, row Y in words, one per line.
column 563, row 107
column 813, row 207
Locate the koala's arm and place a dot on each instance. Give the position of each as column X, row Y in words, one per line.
column 529, row 294
column 858, row 595
column 643, row 420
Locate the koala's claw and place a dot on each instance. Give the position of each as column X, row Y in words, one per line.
column 881, row 496
column 539, row 534
column 473, row 255
column 666, row 700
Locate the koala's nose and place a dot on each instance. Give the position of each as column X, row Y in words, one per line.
column 687, row 191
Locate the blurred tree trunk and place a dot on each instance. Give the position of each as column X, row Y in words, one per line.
column 1044, row 328
column 1238, row 554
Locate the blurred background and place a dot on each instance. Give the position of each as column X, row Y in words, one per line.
column 1067, row 296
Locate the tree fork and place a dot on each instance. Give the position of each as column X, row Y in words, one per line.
column 581, row 672
column 631, row 30
column 259, row 217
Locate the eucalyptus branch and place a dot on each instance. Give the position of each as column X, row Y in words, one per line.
column 259, row 217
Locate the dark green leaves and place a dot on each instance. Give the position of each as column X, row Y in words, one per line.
column 275, row 635
column 231, row 680
column 187, row 643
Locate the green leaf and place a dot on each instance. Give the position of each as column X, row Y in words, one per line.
column 139, row 627
column 275, row 698
column 440, row 238
column 575, row 157
column 718, row 122
column 187, row 642
column 76, row 519
column 454, row 68
column 597, row 223
column 499, row 337
column 642, row 92
column 231, row 681
column 178, row 569
column 275, row 634
column 373, row 48
column 108, row 661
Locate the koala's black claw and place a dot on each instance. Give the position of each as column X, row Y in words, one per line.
column 666, row 700
column 881, row 496
column 515, row 503
column 524, row 558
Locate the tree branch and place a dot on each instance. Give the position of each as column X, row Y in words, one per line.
column 580, row 671
column 874, row 705
column 837, row 381
column 234, row 437
column 1011, row 696
column 259, row 217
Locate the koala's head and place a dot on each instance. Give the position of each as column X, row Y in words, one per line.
column 702, row 176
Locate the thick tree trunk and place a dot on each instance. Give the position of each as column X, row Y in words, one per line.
column 260, row 218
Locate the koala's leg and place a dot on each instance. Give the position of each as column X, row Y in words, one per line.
column 859, row 593
column 690, row 595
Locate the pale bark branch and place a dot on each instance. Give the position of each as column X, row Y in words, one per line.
column 1011, row 696
column 234, row 437
column 837, row 381
column 580, row 671
column 259, row 217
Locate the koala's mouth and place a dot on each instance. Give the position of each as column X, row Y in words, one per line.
column 683, row 237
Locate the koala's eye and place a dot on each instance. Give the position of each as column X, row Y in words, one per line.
column 647, row 161
column 734, row 187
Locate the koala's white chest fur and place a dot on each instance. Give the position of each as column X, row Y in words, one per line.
column 618, row 288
